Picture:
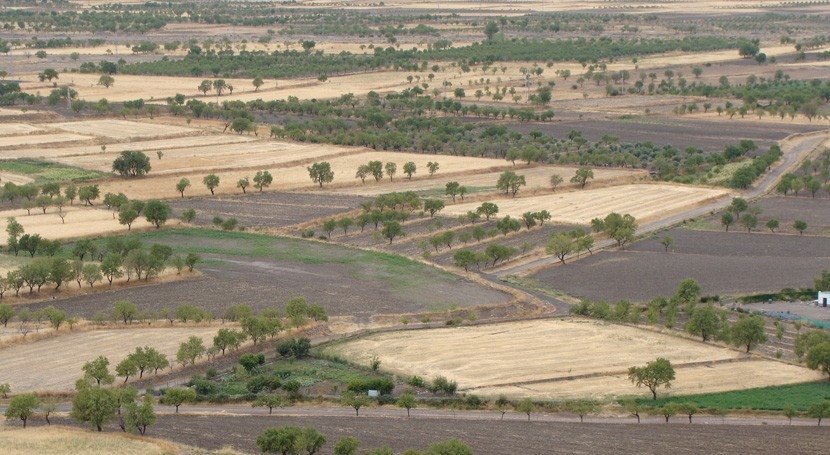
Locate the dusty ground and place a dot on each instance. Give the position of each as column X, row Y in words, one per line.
column 65, row 355
column 60, row 439
column 644, row 202
column 555, row 360
column 723, row 263
column 79, row 221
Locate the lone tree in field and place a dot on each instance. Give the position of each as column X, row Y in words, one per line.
column 355, row 401
column 243, row 183
column 432, row 167
column 653, row 375
column 262, row 179
column 157, row 212
column 22, row 407
column 183, row 184
column 487, row 209
column 800, row 226
column 526, row 406
column 211, row 181
column 510, row 182
column 321, row 173
column 131, row 164
column 177, row 396
column 555, row 180
column 407, row 401
column 582, row 176
column 106, row 80
column 748, row 331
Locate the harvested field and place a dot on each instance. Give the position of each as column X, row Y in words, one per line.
column 643, row 201
column 145, row 146
column 723, row 263
column 121, row 129
column 17, row 179
column 537, row 177
column 7, row 129
column 14, row 112
column 490, row 436
column 295, row 177
column 57, row 440
column 267, row 210
column 264, row 272
column 80, row 221
column 483, row 358
column 35, row 139
column 65, row 355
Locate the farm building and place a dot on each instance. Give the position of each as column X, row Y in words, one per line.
column 823, row 298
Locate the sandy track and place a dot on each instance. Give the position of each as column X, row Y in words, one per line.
column 55, row 364
column 483, row 358
column 643, row 201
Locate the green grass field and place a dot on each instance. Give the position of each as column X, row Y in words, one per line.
column 775, row 398
column 46, row 172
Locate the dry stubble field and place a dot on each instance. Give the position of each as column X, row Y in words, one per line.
column 59, row 439
column 55, row 364
column 643, row 201
column 79, row 221
column 557, row 355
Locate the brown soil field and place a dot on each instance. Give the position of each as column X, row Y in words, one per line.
column 80, row 221
column 709, row 133
column 147, row 146
column 554, row 353
column 55, row 364
column 643, row 201
column 815, row 211
column 35, row 139
column 723, row 263
column 121, row 129
column 490, row 436
column 59, row 439
column 267, row 210
column 265, row 272
column 537, row 177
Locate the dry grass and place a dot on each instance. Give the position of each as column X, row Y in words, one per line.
column 643, row 201
column 35, row 139
column 55, row 363
column 121, row 129
column 53, row 440
column 79, row 221
column 7, row 129
column 484, row 358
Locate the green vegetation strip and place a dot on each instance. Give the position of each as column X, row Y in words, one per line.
column 48, row 172
column 799, row 396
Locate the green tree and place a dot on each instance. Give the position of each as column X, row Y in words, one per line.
column 583, row 174
column 190, row 350
column 391, row 169
column 667, row 241
column 310, row 441
column 704, row 322
column 6, row 311
column 688, row 293
column 139, row 417
column 131, row 164
column 176, row 396
column 451, row 447
column 269, row 401
column 93, row 404
column 432, row 206
column 346, row 446
column 321, row 173
column 127, row 216
column 560, row 245
column 22, row 407
column 407, row 400
column 126, row 368
column 490, row 30
column 258, row 82
column 800, row 226
column 738, row 206
column 819, row 410
column 818, row 358
column 296, row 310
column 772, row 225
column 510, row 182
column 726, row 219
column 526, row 406
column 748, row 331
column 183, row 184
column 211, row 181
column 14, row 230
column 749, row 221
column 98, row 370
column 355, row 401
column 487, row 209
column 126, row 311
column 243, row 183
column 279, row 440
column 157, row 212
column 392, row 229
column 654, row 374
column 790, row 412
column 262, row 179
column 409, row 169
column 621, row 228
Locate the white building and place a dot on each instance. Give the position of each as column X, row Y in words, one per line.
column 824, row 298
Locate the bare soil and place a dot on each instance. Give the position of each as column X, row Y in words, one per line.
column 724, row 263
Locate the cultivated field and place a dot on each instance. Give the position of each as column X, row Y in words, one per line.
column 10, row 129
column 264, row 272
column 55, row 364
column 563, row 352
column 79, row 221
column 644, row 202
column 490, row 436
column 723, row 263
column 121, row 129
column 59, row 439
